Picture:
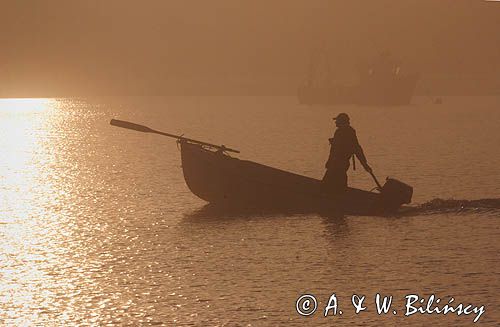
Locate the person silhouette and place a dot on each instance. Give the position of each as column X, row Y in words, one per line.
column 343, row 145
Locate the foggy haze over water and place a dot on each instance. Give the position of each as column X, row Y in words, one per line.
column 195, row 47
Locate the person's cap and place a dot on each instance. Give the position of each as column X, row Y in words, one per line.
column 342, row 118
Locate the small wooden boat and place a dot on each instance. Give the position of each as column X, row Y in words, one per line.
column 223, row 180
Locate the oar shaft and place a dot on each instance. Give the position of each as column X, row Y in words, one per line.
column 145, row 129
column 182, row 138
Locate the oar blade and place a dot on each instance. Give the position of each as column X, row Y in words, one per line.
column 129, row 125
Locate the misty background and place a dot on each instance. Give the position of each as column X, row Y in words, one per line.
column 160, row 47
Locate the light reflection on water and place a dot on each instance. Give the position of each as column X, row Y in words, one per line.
column 44, row 265
column 97, row 225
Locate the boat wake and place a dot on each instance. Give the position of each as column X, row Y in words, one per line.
column 438, row 205
column 432, row 207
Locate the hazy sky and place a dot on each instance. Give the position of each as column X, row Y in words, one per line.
column 73, row 44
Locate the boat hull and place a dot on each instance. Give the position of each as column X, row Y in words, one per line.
column 226, row 181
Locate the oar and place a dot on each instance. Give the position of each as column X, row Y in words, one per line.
column 145, row 129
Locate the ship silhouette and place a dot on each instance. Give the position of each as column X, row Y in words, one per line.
column 381, row 83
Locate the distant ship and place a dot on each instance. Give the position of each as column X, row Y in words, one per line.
column 380, row 83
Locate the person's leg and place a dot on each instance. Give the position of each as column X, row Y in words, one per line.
column 344, row 181
column 326, row 182
column 334, row 181
column 335, row 184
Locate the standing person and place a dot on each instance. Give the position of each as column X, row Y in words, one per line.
column 343, row 146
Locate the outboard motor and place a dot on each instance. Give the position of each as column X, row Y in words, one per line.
column 395, row 193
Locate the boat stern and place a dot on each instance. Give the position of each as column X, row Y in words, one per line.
column 395, row 193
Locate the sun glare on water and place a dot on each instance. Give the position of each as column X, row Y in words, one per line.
column 22, row 128
column 25, row 105
column 30, row 225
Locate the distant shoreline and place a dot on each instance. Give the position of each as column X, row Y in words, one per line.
column 276, row 85
column 85, row 96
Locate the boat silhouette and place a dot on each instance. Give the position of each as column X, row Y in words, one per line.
column 231, row 182
column 381, row 83
column 225, row 181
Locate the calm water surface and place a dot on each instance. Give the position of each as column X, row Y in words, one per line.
column 98, row 227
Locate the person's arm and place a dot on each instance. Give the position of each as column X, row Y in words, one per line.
column 358, row 151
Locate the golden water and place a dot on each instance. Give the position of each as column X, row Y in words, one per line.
column 98, row 227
